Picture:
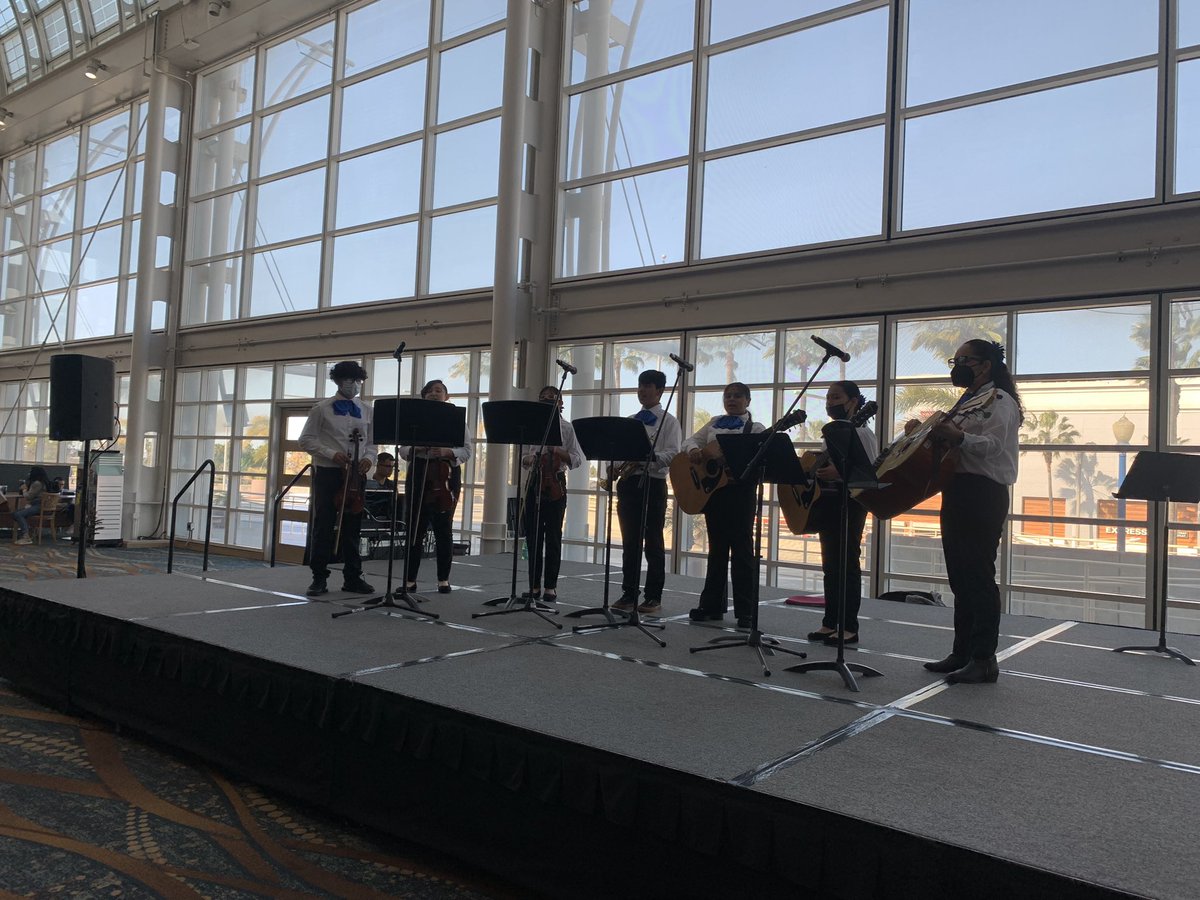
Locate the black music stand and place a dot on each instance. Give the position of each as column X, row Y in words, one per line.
column 416, row 423
column 1162, row 478
column 765, row 457
column 523, row 423
column 610, row 439
column 847, row 455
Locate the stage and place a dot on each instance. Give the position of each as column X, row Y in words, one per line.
column 601, row 765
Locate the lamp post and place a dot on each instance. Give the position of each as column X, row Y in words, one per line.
column 1123, row 432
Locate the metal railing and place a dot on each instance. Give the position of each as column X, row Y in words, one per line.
column 275, row 510
column 212, row 468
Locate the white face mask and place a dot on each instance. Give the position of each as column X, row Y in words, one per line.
column 349, row 388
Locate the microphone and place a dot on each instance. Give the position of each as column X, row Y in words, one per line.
column 830, row 349
column 682, row 363
column 567, row 367
column 400, row 349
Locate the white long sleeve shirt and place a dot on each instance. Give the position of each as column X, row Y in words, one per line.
column 570, row 443
column 668, row 441
column 326, row 433
column 461, row 454
column 708, row 433
column 991, row 438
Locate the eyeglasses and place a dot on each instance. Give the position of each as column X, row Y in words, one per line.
column 963, row 360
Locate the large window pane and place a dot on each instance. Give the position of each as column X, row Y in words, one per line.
column 383, row 107
column 1188, row 23
column 226, row 94
column 96, row 310
column 471, row 78
column 731, row 18
column 57, row 213
column 60, row 160
column 630, row 123
column 104, row 198
column 298, row 135
column 12, row 325
column 217, row 226
column 923, row 346
column 1187, row 132
column 957, row 48
column 636, row 32
column 461, row 16
column 466, row 163
column 285, row 280
column 382, row 185
column 108, row 141
column 623, row 224
column 1084, row 411
column 1095, row 144
column 289, row 208
column 14, row 276
column 1108, row 339
column 834, row 73
column 1183, row 418
column 101, row 255
column 54, row 265
column 20, row 175
column 212, row 292
column 462, row 253
column 16, row 222
column 221, row 160
column 385, row 31
column 298, row 65
column 375, row 265
column 828, row 189
column 748, row 357
column 1185, row 335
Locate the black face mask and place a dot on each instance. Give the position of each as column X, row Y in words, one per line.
column 837, row 411
column 962, row 376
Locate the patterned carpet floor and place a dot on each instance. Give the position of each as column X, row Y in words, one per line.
column 59, row 560
column 89, row 812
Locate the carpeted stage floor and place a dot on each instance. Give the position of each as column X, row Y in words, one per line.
column 1076, row 774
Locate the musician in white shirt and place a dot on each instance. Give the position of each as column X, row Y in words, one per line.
column 546, row 502
column 975, row 504
column 842, row 401
column 631, row 490
column 330, row 434
column 729, row 518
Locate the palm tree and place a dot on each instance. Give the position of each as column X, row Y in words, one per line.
column 1084, row 472
column 943, row 336
column 725, row 347
column 1049, row 428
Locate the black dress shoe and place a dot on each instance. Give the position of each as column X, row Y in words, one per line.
column 700, row 614
column 832, row 641
column 977, row 671
column 357, row 586
column 820, row 635
column 949, row 664
column 745, row 622
column 444, row 588
column 317, row 588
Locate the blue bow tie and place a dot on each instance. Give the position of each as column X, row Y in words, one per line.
column 729, row 422
column 646, row 417
column 346, row 408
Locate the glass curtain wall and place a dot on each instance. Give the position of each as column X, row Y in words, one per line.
column 699, row 129
column 70, row 212
column 353, row 162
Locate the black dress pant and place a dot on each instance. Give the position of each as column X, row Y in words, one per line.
column 430, row 518
column 729, row 516
column 543, row 537
column 630, row 497
column 973, row 512
column 840, row 561
column 327, row 483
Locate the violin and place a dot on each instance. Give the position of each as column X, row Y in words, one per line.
column 439, row 491
column 552, row 488
column 352, row 496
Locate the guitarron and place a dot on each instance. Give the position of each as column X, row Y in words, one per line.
column 915, row 466
column 796, row 500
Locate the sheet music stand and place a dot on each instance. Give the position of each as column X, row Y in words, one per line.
column 416, row 423
column 1162, row 478
column 611, row 439
column 523, row 423
column 847, row 455
column 765, row 457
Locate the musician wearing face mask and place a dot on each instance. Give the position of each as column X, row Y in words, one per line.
column 729, row 518
column 546, row 503
column 975, row 504
column 435, row 483
column 338, row 430
column 842, row 401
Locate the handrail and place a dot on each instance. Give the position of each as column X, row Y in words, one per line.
column 275, row 507
column 212, row 467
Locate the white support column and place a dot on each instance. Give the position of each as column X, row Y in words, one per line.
column 145, row 461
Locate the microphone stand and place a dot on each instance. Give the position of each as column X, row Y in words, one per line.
column 530, row 605
column 634, row 619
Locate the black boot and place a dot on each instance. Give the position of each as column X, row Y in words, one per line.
column 949, row 664
column 977, row 671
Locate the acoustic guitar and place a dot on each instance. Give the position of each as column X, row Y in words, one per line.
column 796, row 500
column 916, row 466
column 695, row 483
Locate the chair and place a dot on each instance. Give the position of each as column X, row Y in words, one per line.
column 47, row 517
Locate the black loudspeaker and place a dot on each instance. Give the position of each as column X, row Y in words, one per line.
column 81, row 398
